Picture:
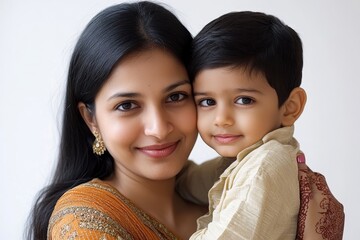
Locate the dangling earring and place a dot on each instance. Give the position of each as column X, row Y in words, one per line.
column 98, row 145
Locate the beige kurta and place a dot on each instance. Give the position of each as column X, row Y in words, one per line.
column 257, row 196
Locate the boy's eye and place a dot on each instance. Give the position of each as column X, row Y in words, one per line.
column 244, row 101
column 207, row 102
column 127, row 106
column 176, row 97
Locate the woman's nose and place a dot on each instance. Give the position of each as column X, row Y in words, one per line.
column 157, row 123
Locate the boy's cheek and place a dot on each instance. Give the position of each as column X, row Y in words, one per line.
column 204, row 124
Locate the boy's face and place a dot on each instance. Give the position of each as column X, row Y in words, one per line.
column 235, row 108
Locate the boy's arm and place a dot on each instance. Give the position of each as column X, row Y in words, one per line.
column 257, row 203
column 194, row 181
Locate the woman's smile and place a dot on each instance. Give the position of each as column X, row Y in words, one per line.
column 159, row 150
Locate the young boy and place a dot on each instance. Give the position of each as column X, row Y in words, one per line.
column 247, row 70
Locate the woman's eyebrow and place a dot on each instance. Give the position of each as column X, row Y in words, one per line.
column 125, row 95
column 133, row 95
column 175, row 85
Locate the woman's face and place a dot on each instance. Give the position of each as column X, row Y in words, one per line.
column 146, row 115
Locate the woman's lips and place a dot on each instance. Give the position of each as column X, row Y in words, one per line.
column 226, row 138
column 159, row 150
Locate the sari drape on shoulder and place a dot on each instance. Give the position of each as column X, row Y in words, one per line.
column 95, row 210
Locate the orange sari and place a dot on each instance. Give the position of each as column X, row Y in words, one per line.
column 95, row 210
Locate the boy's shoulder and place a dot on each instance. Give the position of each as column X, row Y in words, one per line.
column 267, row 159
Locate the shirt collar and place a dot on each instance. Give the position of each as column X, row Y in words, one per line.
column 284, row 135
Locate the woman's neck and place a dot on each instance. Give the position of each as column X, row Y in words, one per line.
column 159, row 199
column 155, row 197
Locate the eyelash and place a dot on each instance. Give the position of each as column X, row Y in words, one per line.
column 201, row 101
column 129, row 109
column 134, row 105
column 247, row 98
column 182, row 97
column 213, row 102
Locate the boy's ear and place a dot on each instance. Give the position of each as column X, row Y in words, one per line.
column 88, row 116
column 293, row 106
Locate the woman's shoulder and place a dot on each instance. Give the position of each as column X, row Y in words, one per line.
column 91, row 196
column 84, row 209
column 98, row 210
column 86, row 193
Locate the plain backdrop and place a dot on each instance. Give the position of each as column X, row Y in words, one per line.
column 37, row 38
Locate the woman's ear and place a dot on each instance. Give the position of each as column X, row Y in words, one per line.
column 88, row 116
column 293, row 106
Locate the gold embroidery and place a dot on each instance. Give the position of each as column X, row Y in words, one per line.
column 64, row 229
column 161, row 231
column 73, row 235
column 92, row 219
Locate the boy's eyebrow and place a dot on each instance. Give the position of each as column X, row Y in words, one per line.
column 247, row 90
column 235, row 90
column 200, row 94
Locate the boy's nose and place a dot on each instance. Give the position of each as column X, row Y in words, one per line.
column 224, row 117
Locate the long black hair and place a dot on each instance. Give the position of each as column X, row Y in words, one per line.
column 110, row 36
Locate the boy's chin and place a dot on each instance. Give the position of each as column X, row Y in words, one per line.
column 227, row 153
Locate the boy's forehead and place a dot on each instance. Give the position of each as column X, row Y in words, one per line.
column 229, row 79
column 243, row 71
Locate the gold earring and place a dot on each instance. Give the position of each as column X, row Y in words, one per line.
column 98, row 145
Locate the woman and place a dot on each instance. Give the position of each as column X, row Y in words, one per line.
column 129, row 124
column 128, row 91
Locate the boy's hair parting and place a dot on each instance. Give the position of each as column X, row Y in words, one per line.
column 254, row 40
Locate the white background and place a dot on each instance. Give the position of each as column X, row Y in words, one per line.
column 36, row 40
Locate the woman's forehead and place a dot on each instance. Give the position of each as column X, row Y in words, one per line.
column 155, row 69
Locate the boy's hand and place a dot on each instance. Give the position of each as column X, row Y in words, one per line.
column 321, row 216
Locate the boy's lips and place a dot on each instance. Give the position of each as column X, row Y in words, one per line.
column 159, row 150
column 226, row 138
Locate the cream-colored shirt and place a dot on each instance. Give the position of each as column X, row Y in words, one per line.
column 257, row 196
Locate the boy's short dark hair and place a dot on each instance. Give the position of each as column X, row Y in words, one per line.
column 254, row 40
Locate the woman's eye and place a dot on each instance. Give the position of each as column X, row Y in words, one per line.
column 126, row 106
column 244, row 101
column 207, row 102
column 177, row 97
